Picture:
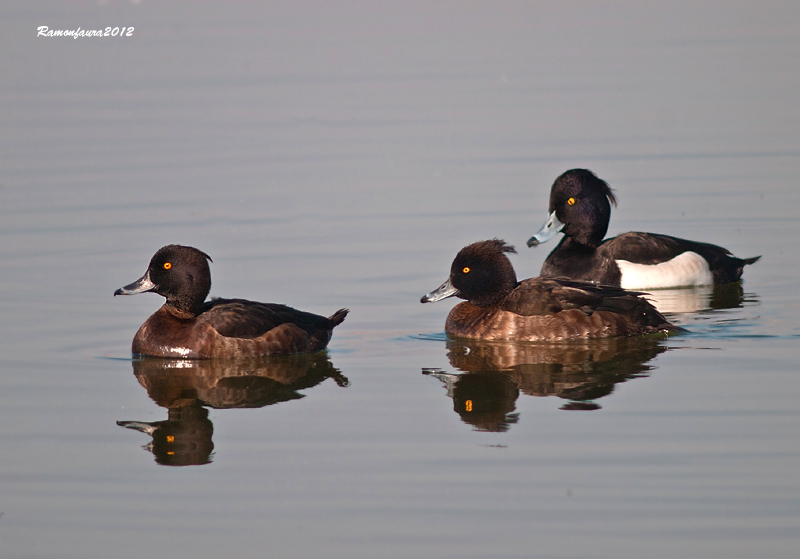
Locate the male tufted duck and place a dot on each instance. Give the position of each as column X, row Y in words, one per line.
column 580, row 207
column 499, row 307
column 188, row 326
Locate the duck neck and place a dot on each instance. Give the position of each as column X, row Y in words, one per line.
column 184, row 307
column 498, row 289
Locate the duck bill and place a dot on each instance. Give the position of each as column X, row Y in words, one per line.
column 442, row 292
column 142, row 285
column 550, row 228
column 138, row 426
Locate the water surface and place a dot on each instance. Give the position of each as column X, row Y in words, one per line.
column 339, row 155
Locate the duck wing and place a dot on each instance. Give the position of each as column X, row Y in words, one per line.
column 647, row 248
column 541, row 296
column 654, row 248
column 240, row 318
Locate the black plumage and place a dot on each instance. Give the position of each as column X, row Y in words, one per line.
column 580, row 208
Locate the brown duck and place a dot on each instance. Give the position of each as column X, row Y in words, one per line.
column 498, row 307
column 188, row 326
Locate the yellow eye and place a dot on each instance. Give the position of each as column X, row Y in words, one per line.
column 465, row 270
column 167, row 265
column 571, row 201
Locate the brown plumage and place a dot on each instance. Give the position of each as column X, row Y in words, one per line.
column 187, row 326
column 498, row 307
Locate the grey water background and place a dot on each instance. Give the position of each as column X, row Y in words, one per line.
column 332, row 154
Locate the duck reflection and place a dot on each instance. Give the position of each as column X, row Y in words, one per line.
column 492, row 374
column 484, row 399
column 187, row 387
column 183, row 439
column 699, row 298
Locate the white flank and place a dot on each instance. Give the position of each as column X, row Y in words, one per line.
column 685, row 269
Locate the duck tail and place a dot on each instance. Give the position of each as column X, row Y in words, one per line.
column 657, row 321
column 752, row 260
column 338, row 317
column 649, row 314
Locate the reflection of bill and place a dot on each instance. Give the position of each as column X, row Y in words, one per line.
column 187, row 387
column 492, row 374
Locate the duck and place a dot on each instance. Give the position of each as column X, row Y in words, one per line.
column 498, row 307
column 580, row 207
column 189, row 327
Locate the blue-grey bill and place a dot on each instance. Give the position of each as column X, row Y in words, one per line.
column 442, row 292
column 141, row 285
column 550, row 228
column 138, row 426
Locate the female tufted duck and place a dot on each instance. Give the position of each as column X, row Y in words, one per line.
column 580, row 207
column 188, row 326
column 499, row 307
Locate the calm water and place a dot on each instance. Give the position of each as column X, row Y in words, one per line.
column 339, row 154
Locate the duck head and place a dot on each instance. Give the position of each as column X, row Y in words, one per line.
column 580, row 207
column 481, row 273
column 179, row 273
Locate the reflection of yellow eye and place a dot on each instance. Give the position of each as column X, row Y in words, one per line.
column 167, row 265
column 468, row 405
column 571, row 201
column 465, row 270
